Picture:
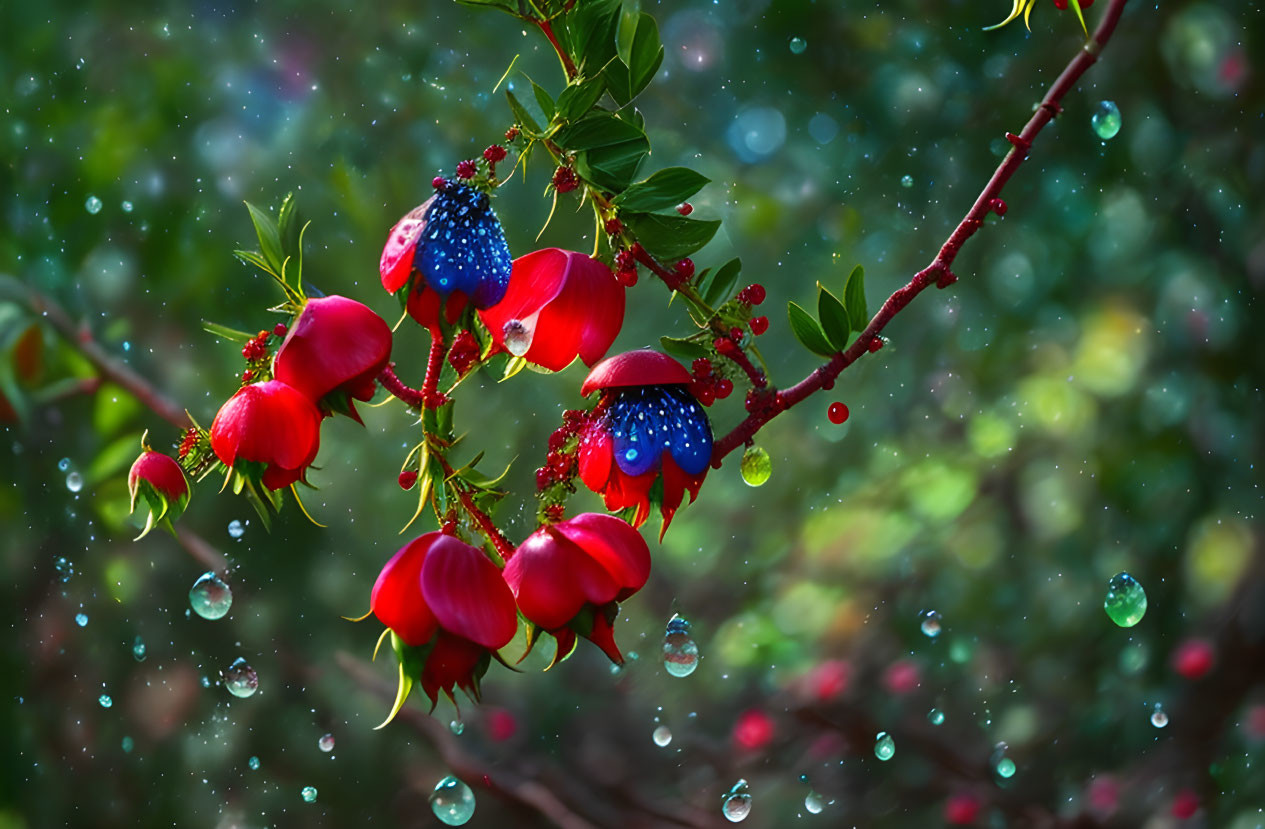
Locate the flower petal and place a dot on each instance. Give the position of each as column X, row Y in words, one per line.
column 617, row 547
column 397, row 255
column 467, row 594
column 635, row 368
column 397, row 597
column 552, row 578
column 335, row 341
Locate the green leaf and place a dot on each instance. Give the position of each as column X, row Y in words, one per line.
column 666, row 188
column 522, row 116
column 513, row 7
column 591, row 33
column 717, row 287
column 644, row 55
column 253, row 257
column 670, row 237
column 683, row 349
column 226, row 332
column 289, row 226
column 609, row 150
column 579, row 97
column 543, row 100
column 834, row 319
column 601, row 129
column 854, row 299
column 269, row 237
column 808, row 331
column 114, row 458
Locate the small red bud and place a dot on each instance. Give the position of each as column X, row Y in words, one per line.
column 439, row 182
column 247, row 376
column 467, row 169
column 704, row 393
column 685, row 268
column 998, row 206
column 735, row 334
column 494, row 154
column 759, row 325
column 837, row 413
column 564, row 180
column 701, row 366
column 614, row 227
column 685, row 208
column 279, row 330
column 449, row 527
column 543, row 478
column 627, row 278
column 408, row 478
column 755, row 293
column 724, row 387
column 875, row 344
column 511, row 133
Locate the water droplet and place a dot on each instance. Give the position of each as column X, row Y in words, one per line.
column 128, row 745
column 680, row 653
column 240, row 679
column 81, row 619
column 105, row 700
column 814, row 803
column 457, row 727
column 1003, row 765
column 884, row 746
column 935, row 716
column 253, row 762
column 517, row 338
column 92, row 205
column 930, row 625
column 74, row 482
column 127, row 207
column 452, row 801
column 309, row 794
column 662, row 736
column 65, row 568
column 138, row 649
column 326, row 743
column 236, row 529
column 756, row 466
column 64, row 464
column 798, row 45
column 906, row 181
column 210, row 597
column 1159, row 717
column 1126, row 600
column 737, row 803
column 1106, row 120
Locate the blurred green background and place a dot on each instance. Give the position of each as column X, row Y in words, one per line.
column 1086, row 400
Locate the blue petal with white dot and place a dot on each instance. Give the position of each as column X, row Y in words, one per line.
column 647, row 421
column 462, row 246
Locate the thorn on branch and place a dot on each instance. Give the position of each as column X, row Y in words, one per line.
column 1019, row 141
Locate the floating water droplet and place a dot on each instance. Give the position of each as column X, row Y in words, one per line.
column 680, row 653
column 127, row 207
column 309, row 794
column 74, row 482
column 662, row 736
column 240, row 679
column 1106, row 120
column 798, row 45
column 253, row 762
column 138, row 649
column 81, row 619
column 1126, row 600
column 756, row 466
column 105, row 700
column 737, row 803
column 517, row 338
column 128, row 745
column 906, row 181
column 1159, row 718
column 65, row 568
column 930, row 625
column 935, row 716
column 457, row 727
column 452, row 801
column 326, row 743
column 814, row 803
column 210, row 597
column 92, row 205
column 1003, row 765
column 236, row 529
column 884, row 746
column 64, row 464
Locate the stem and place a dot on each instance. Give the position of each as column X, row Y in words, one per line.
column 738, row 356
column 502, row 544
column 567, row 65
column 434, row 365
column 409, row 396
column 939, row 271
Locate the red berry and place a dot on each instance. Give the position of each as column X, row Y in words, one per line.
column 439, row 182
column 704, row 394
column 998, row 206
column 875, row 344
column 759, row 325
column 543, row 478
column 467, row 169
column 247, row 375
column 837, row 413
column 449, row 527
column 724, row 387
column 557, row 440
column 627, row 278
column 624, row 260
column 755, row 293
column 564, row 180
column 735, row 334
column 614, row 227
column 685, row 268
column 279, row 330
column 702, row 366
column 407, row 479
column 511, row 133
column 685, row 208
column 494, row 154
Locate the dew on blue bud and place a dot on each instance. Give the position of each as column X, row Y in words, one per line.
column 935, row 716
column 1106, row 120
column 1002, row 765
column 737, row 803
column 240, row 679
column 309, row 794
column 1125, row 603
column 452, row 801
column 662, row 736
column 139, row 649
column 680, row 652
column 884, row 746
column 210, row 597
column 326, row 743
column 930, row 625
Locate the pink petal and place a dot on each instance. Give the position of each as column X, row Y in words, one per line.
column 617, row 547
column 465, row 591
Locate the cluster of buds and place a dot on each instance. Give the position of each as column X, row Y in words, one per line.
column 464, row 353
column 565, row 180
column 764, row 401
column 256, row 353
column 195, row 452
column 625, row 266
column 480, row 172
column 560, row 462
column 707, row 385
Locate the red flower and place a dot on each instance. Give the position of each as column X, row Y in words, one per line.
column 161, row 480
column 333, row 352
column 568, row 578
column 560, row 305
column 646, row 422
column 448, row 610
column 269, row 430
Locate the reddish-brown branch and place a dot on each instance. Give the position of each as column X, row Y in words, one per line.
column 411, row 397
column 740, row 358
column 939, row 271
column 567, row 64
column 503, row 546
column 429, row 396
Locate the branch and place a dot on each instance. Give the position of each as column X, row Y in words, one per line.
column 391, row 382
column 109, row 366
column 939, row 271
